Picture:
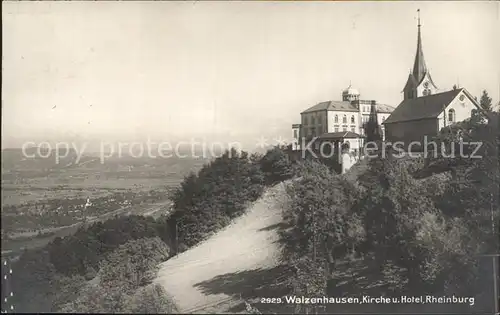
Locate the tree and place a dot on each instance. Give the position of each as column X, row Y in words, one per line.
column 321, row 227
column 133, row 264
column 33, row 282
column 152, row 299
column 485, row 101
column 220, row 191
column 94, row 298
column 276, row 165
column 372, row 127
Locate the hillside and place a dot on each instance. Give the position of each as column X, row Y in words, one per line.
column 246, row 247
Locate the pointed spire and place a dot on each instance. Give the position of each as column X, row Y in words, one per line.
column 419, row 67
column 373, row 130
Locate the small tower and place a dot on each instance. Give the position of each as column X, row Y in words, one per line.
column 419, row 81
column 350, row 94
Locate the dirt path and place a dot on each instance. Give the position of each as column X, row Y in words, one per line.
column 247, row 245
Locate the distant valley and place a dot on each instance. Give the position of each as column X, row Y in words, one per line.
column 43, row 198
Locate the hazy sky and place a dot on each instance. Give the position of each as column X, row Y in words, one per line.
column 224, row 69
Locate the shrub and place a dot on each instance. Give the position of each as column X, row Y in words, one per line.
column 152, row 299
column 94, row 298
column 133, row 264
column 276, row 166
column 321, row 227
column 88, row 246
column 220, row 191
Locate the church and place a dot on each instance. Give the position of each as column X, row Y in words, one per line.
column 425, row 110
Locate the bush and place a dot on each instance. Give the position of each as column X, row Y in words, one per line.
column 321, row 226
column 94, row 298
column 152, row 299
column 220, row 191
column 276, row 165
column 133, row 264
column 124, row 278
column 84, row 250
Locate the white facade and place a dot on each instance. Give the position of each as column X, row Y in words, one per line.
column 316, row 123
column 459, row 109
column 427, row 86
column 343, row 121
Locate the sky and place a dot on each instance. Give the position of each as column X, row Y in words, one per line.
column 117, row 71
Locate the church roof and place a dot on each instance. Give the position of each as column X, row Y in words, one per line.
column 383, row 108
column 422, row 107
column 345, row 106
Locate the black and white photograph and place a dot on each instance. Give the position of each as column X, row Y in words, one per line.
column 250, row 157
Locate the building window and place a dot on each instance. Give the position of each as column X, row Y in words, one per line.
column 295, row 134
column 313, row 121
column 383, row 118
column 313, row 132
column 353, row 129
column 352, row 119
column 336, row 129
column 336, row 119
column 451, row 115
column 344, row 128
column 473, row 112
column 305, row 120
column 344, row 119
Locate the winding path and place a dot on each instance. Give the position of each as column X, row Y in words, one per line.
column 248, row 244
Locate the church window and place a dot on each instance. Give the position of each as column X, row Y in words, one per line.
column 336, row 119
column 352, row 119
column 451, row 115
column 344, row 119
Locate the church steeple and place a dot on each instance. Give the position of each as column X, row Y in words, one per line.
column 419, row 67
column 419, row 81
